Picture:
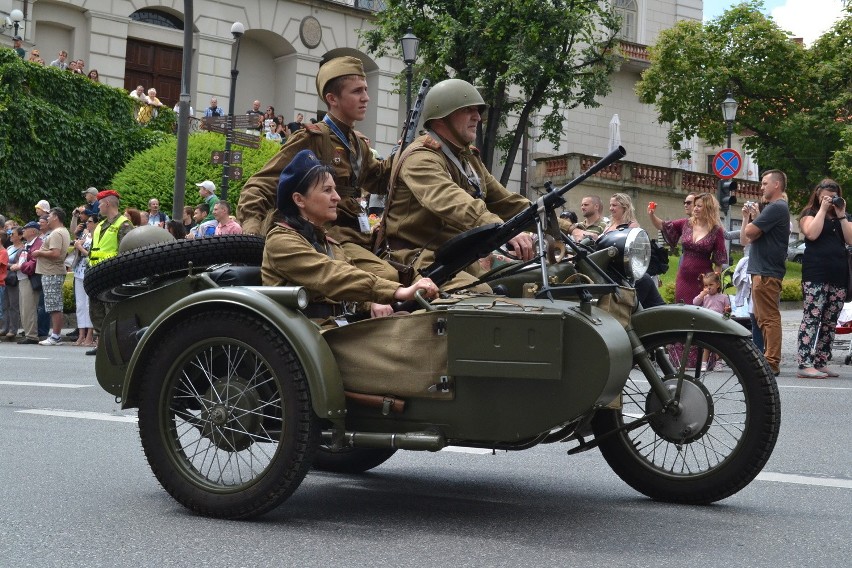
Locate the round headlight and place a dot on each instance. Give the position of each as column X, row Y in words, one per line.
column 634, row 245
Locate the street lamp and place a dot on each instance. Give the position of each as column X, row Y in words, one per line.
column 728, row 187
column 237, row 30
column 729, row 113
column 17, row 17
column 410, row 44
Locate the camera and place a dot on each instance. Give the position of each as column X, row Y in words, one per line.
column 749, row 204
column 837, row 201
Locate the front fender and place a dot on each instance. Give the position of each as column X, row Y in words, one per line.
column 311, row 349
column 681, row 317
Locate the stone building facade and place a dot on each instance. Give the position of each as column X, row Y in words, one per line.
column 133, row 42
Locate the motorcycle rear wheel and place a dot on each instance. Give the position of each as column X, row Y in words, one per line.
column 225, row 416
column 727, row 428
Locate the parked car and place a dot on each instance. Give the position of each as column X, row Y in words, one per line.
column 796, row 251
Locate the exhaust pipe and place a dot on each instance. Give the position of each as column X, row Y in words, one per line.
column 416, row 441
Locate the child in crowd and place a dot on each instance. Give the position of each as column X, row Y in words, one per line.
column 712, row 298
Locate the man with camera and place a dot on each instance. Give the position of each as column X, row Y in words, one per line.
column 768, row 231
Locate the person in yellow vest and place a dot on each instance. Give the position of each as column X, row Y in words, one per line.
column 105, row 240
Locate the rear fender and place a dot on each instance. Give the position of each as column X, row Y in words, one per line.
column 313, row 352
column 680, row 317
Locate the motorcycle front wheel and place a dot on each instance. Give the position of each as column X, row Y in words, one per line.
column 718, row 439
column 225, row 416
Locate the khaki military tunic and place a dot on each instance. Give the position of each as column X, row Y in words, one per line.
column 433, row 202
column 258, row 197
column 290, row 260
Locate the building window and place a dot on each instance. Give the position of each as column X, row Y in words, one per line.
column 629, row 12
column 149, row 16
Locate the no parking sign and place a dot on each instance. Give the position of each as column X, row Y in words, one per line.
column 727, row 163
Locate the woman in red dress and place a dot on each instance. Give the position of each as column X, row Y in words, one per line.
column 703, row 245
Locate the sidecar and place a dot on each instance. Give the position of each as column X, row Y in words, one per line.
column 240, row 393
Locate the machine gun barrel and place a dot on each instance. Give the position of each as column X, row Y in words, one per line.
column 460, row 251
column 409, row 131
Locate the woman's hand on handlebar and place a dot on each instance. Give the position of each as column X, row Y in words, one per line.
column 430, row 290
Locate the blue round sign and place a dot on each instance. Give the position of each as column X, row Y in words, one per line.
column 727, row 163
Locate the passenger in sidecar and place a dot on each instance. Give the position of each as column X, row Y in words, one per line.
column 298, row 252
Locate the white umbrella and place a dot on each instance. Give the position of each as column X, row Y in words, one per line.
column 614, row 133
column 750, row 168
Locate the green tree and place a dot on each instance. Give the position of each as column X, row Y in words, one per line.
column 60, row 133
column 522, row 55
column 791, row 106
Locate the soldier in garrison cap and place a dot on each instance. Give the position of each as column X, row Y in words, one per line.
column 441, row 187
column 342, row 84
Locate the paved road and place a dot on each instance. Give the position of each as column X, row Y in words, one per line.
column 76, row 491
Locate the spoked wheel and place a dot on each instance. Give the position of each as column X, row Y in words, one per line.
column 718, row 439
column 228, row 428
column 350, row 460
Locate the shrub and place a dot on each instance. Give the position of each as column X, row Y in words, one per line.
column 152, row 173
column 60, row 133
column 791, row 290
column 69, row 303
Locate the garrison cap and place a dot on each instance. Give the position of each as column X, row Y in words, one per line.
column 338, row 67
column 294, row 173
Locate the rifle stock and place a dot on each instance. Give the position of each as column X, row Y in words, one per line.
column 460, row 251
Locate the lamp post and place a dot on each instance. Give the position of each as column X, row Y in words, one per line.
column 726, row 187
column 17, row 17
column 410, row 44
column 237, row 30
column 729, row 113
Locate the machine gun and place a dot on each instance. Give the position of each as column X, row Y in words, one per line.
column 409, row 129
column 457, row 253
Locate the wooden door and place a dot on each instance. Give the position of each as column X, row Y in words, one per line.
column 154, row 65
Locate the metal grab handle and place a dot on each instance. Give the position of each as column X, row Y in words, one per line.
column 424, row 303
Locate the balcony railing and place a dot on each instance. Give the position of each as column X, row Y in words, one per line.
column 626, row 175
column 634, row 50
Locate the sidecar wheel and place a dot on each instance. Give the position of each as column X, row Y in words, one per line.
column 225, row 416
column 719, row 442
column 350, row 460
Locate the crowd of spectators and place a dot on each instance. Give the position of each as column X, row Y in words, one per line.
column 37, row 255
column 61, row 62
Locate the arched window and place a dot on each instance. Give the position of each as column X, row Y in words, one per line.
column 150, row 16
column 629, row 16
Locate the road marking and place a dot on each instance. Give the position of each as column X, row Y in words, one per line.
column 805, row 480
column 817, row 388
column 53, row 385
column 28, row 358
column 461, row 450
column 81, row 414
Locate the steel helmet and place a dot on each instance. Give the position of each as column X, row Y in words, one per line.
column 144, row 236
column 449, row 96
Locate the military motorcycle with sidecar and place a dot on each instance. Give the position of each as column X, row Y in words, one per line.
column 240, row 394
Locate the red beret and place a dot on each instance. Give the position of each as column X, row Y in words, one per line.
column 107, row 193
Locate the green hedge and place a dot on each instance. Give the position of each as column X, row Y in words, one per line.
column 152, row 174
column 60, row 133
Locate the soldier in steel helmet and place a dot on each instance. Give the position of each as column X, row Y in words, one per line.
column 441, row 187
column 341, row 83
